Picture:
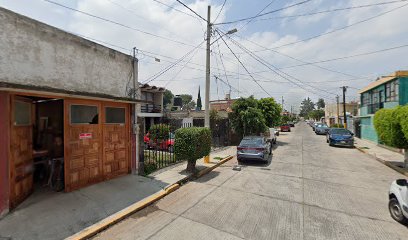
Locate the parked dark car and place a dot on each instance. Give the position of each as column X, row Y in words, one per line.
column 285, row 128
column 291, row 124
column 321, row 129
column 340, row 137
column 254, row 148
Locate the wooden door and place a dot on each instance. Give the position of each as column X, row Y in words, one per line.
column 82, row 143
column 116, row 140
column 21, row 149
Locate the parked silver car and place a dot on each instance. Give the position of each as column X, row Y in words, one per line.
column 322, row 129
column 254, row 148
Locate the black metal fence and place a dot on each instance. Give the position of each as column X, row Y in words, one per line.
column 159, row 140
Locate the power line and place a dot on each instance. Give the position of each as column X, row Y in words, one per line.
column 175, row 9
column 337, row 29
column 331, row 10
column 118, row 24
column 153, row 77
column 263, row 14
column 198, row 15
column 260, row 12
column 350, row 56
column 222, row 7
column 243, row 64
column 296, row 59
column 277, row 71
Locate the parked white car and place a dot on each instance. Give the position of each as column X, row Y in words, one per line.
column 398, row 201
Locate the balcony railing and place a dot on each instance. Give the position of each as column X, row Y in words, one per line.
column 372, row 108
column 151, row 108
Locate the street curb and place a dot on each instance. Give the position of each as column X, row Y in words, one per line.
column 122, row 214
column 388, row 164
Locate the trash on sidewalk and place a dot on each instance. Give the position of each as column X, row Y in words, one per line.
column 236, row 168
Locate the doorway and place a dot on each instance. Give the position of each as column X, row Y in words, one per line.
column 36, row 148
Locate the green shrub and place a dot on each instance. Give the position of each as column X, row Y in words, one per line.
column 388, row 127
column 402, row 113
column 337, row 125
column 159, row 131
column 191, row 144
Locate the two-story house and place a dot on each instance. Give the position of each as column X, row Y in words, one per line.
column 152, row 108
column 385, row 92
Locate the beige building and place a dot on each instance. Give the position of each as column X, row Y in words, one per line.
column 333, row 113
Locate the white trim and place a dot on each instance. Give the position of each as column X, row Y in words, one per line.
column 140, row 114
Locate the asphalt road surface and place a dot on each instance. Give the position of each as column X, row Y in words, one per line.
column 308, row 190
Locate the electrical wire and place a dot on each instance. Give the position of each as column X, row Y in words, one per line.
column 222, row 7
column 118, row 24
column 153, row 77
column 198, row 15
column 280, row 73
column 243, row 64
column 263, row 14
column 260, row 12
column 337, row 29
column 331, row 10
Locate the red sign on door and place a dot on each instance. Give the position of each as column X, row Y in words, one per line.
column 85, row 135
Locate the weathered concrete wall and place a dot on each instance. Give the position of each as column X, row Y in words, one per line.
column 33, row 53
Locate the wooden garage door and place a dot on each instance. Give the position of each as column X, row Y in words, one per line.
column 116, row 140
column 83, row 143
column 21, row 149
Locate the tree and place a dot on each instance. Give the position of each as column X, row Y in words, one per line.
column 191, row 144
column 316, row 114
column 271, row 111
column 246, row 118
column 320, row 103
column 199, row 104
column 188, row 102
column 306, row 107
column 167, row 98
column 391, row 127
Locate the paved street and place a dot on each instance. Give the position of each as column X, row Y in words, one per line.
column 308, row 191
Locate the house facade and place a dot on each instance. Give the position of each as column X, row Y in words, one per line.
column 334, row 114
column 386, row 92
column 65, row 101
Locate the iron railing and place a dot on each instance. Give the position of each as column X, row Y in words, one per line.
column 151, row 108
column 372, row 108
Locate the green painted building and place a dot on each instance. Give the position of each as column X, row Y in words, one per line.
column 385, row 92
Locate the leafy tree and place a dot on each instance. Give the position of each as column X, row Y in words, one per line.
column 188, row 102
column 320, row 103
column 285, row 119
column 306, row 107
column 316, row 114
column 271, row 111
column 167, row 98
column 246, row 118
column 391, row 127
column 191, row 144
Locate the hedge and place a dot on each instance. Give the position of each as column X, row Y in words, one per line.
column 402, row 114
column 191, row 144
column 337, row 125
column 388, row 127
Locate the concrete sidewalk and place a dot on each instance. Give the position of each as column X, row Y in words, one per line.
column 53, row 215
column 388, row 157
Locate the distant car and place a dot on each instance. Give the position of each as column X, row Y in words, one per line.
column 340, row 137
column 398, row 200
column 272, row 135
column 254, row 148
column 166, row 144
column 314, row 125
column 285, row 128
column 291, row 124
column 322, row 129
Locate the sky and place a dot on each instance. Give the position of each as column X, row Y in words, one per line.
column 262, row 58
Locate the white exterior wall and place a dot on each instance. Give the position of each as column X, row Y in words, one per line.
column 33, row 53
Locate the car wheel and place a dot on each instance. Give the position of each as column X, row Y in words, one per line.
column 170, row 148
column 396, row 211
column 330, row 143
column 327, row 140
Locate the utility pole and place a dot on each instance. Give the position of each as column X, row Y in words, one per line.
column 338, row 110
column 138, row 159
column 344, row 106
column 207, row 72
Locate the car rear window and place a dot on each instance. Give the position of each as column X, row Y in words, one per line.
column 251, row 142
column 340, row 131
